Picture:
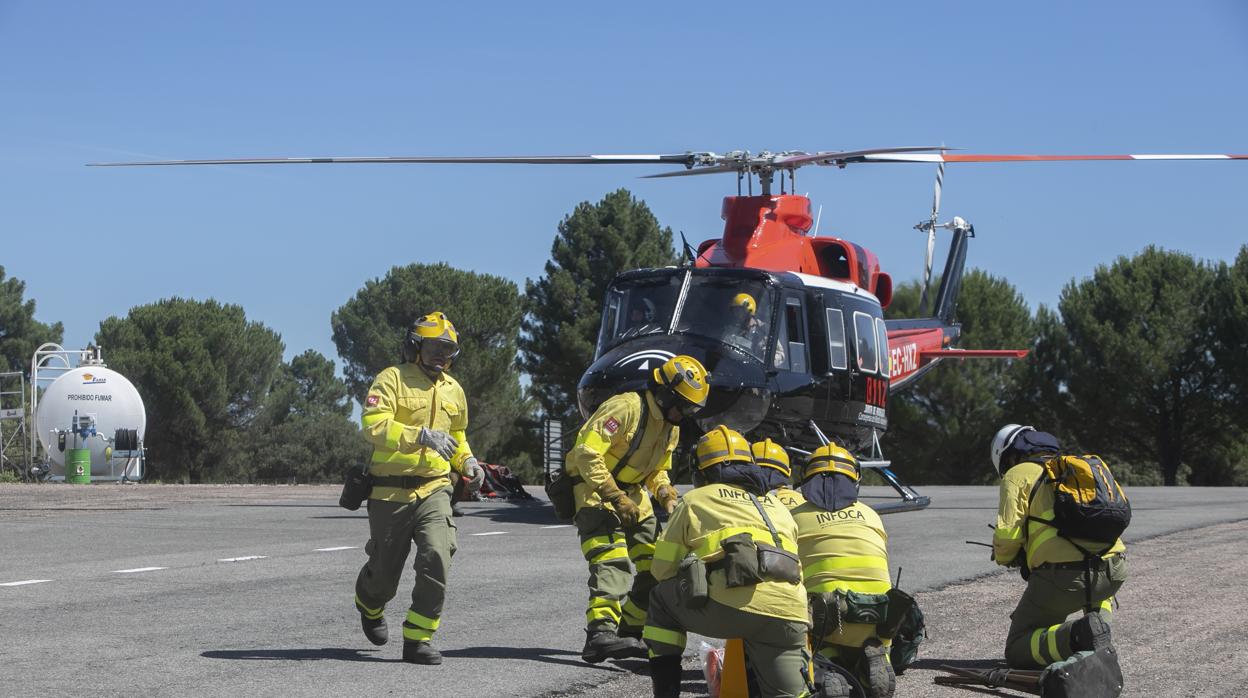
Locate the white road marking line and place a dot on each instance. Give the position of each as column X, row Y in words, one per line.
column 240, row 559
column 24, row 582
column 491, row 533
column 558, row 526
column 341, row 547
column 139, row 569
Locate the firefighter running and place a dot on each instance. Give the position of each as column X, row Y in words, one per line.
column 415, row 416
column 624, row 450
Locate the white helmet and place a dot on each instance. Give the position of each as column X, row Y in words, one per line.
column 1003, row 439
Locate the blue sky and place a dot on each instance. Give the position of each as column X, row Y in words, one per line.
column 93, row 81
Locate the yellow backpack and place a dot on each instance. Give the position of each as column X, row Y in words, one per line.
column 1088, row 503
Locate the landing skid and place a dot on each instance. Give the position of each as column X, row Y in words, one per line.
column 910, row 500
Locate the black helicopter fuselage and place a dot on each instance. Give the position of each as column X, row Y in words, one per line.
column 814, row 349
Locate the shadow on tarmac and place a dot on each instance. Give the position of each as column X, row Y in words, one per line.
column 536, row 654
column 522, row 512
column 341, row 654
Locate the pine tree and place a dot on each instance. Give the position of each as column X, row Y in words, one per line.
column 564, row 307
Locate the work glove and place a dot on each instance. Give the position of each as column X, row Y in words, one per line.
column 474, row 474
column 624, row 507
column 441, row 442
column 667, row 496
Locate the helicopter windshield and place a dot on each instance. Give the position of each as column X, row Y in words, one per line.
column 713, row 308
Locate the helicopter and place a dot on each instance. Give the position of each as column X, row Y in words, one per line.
column 812, row 359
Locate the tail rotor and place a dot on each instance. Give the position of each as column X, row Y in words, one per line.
column 929, row 227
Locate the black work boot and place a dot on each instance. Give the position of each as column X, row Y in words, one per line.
column 603, row 643
column 631, row 631
column 1090, row 632
column 665, row 674
column 878, row 675
column 375, row 629
column 420, row 652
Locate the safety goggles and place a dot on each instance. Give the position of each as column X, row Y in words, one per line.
column 688, row 410
column 438, row 350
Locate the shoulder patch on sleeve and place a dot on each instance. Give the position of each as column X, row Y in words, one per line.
column 371, row 401
column 611, row 426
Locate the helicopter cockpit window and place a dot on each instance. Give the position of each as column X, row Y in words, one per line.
column 881, row 334
column 732, row 310
column 639, row 307
column 865, row 345
column 837, row 353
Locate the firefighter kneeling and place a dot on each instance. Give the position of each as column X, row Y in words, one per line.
column 727, row 566
column 1066, row 544
column 845, row 565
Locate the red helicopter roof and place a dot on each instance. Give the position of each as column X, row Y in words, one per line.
column 770, row 233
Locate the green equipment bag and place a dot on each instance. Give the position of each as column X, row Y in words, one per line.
column 691, row 579
column 559, row 490
column 864, row 608
column 356, row 487
column 774, row 562
column 1092, row 674
column 740, row 561
column 904, row 624
column 1087, row 502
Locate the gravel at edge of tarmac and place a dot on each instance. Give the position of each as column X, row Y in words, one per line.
column 1191, row 579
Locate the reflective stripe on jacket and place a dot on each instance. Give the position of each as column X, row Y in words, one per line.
column 605, row 439
column 403, row 400
column 703, row 519
column 841, row 550
column 1014, row 530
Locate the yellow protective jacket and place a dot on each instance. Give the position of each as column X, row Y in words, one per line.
column 403, row 400
column 844, row 550
column 703, row 519
column 605, row 439
column 1038, row 540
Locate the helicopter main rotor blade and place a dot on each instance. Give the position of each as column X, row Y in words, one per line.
column 844, row 156
column 686, row 159
column 713, row 169
column 972, row 157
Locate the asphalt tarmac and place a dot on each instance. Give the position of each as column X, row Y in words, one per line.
column 226, row 590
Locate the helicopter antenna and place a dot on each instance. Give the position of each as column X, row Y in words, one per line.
column 929, row 227
column 818, row 217
column 689, row 252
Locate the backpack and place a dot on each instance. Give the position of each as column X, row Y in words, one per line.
column 910, row 632
column 1088, row 503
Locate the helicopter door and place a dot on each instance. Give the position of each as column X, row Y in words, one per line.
column 791, row 338
column 831, row 369
column 793, row 385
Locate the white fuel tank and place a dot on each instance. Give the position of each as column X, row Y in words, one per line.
column 94, row 391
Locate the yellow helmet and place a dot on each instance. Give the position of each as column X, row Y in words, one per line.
column 832, row 459
column 436, row 326
column 770, row 454
column 684, row 378
column 745, row 300
column 722, row 445
column 433, row 326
